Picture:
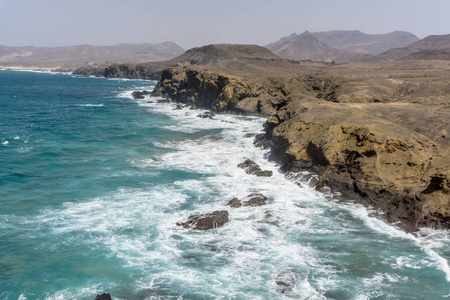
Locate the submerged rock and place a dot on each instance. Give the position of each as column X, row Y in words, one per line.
column 178, row 107
column 253, row 168
column 140, row 95
column 103, row 297
column 285, row 281
column 206, row 221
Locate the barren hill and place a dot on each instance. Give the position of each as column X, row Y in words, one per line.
column 307, row 47
column 431, row 42
column 83, row 55
column 357, row 41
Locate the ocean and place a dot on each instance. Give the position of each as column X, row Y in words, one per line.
column 92, row 184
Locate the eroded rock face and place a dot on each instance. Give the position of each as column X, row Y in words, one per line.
column 253, row 168
column 206, row 221
column 391, row 156
column 223, row 92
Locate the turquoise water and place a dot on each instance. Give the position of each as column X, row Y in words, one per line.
column 93, row 182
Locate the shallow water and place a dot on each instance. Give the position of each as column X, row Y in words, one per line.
column 93, row 182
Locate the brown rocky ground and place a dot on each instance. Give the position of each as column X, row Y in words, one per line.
column 377, row 133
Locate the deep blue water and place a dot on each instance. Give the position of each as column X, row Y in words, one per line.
column 92, row 184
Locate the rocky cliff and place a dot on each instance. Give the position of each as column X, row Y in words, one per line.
column 380, row 141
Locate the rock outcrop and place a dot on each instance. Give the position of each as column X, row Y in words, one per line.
column 207, row 221
column 253, row 168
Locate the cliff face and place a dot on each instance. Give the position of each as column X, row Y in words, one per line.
column 392, row 156
column 150, row 71
column 225, row 92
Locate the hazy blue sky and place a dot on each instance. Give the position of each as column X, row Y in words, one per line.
column 191, row 23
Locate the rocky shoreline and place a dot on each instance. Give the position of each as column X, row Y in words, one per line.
column 391, row 155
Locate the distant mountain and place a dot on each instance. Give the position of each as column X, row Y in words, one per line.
column 83, row 55
column 420, row 49
column 306, row 46
column 359, row 42
column 227, row 56
column 213, row 54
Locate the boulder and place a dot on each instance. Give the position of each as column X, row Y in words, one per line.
column 103, row 297
column 178, row 107
column 253, row 168
column 285, row 281
column 206, row 221
column 140, row 95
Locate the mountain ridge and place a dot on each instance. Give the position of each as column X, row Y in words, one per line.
column 431, row 42
column 83, row 55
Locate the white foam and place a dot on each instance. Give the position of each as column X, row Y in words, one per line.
column 83, row 292
column 5, row 143
column 90, row 105
column 427, row 239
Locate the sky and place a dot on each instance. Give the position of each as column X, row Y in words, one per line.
column 192, row 23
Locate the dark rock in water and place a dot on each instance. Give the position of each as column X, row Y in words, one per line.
column 206, row 115
column 235, row 202
column 103, row 297
column 178, row 107
column 256, row 199
column 163, row 101
column 251, row 167
column 206, row 221
column 285, row 281
column 249, row 135
column 140, row 95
